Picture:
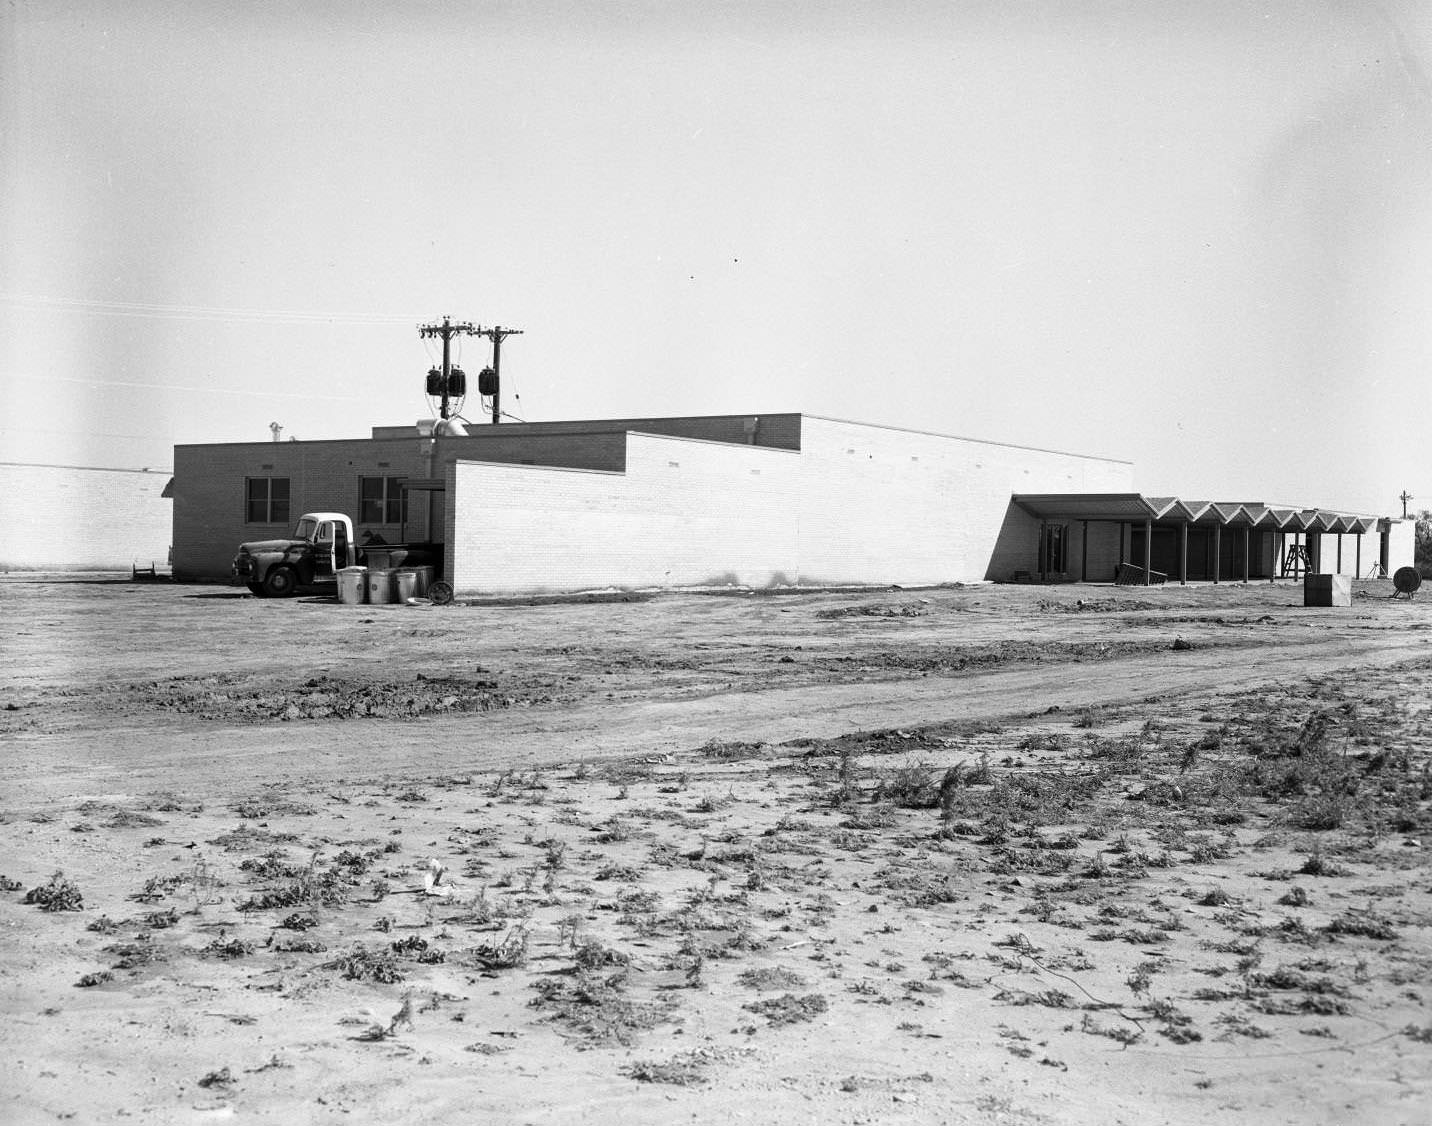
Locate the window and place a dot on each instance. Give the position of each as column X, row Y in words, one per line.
column 267, row 499
column 383, row 501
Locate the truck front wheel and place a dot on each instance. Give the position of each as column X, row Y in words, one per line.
column 281, row 582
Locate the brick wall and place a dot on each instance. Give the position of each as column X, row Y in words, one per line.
column 885, row 505
column 67, row 518
column 857, row 504
column 209, row 496
column 209, row 483
column 683, row 513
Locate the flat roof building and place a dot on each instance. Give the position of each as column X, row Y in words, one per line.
column 753, row 500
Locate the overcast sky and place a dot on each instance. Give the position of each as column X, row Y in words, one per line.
column 1196, row 236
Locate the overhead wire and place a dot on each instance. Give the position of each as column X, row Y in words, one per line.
column 247, row 392
column 160, row 311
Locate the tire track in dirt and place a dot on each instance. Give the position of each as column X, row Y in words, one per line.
column 226, row 760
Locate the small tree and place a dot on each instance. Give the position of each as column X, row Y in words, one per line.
column 1422, row 555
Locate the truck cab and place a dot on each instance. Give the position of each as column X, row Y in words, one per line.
column 322, row 543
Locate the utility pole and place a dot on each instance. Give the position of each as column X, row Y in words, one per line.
column 497, row 334
column 1404, row 498
column 447, row 330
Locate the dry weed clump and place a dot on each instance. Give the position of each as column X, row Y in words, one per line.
column 509, row 952
column 57, row 895
column 769, row 978
column 598, row 1011
column 310, row 886
column 789, row 1008
column 364, row 963
column 682, row 1069
column 732, row 751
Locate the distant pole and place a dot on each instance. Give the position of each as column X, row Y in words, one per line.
column 447, row 330
column 1405, row 497
column 497, row 334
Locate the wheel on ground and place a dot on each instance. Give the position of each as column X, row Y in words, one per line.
column 258, row 589
column 440, row 593
column 281, row 582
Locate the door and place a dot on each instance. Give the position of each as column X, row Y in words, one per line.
column 341, row 554
column 323, row 549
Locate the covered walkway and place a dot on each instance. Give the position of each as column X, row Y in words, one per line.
column 1128, row 537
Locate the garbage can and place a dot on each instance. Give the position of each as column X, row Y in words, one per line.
column 352, row 585
column 407, row 584
column 380, row 586
column 425, row 580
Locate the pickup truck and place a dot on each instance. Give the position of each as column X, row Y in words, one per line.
column 322, row 543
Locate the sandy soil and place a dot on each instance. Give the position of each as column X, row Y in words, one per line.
column 970, row 855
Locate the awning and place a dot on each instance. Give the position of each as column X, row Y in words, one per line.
column 1135, row 508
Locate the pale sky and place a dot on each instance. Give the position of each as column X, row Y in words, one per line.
column 1196, row 236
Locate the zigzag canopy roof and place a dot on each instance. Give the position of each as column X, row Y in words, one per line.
column 1136, row 508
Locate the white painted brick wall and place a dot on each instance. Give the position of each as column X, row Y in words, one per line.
column 857, row 504
column 67, row 518
column 684, row 513
column 886, row 505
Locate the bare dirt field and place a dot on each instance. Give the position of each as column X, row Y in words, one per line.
column 968, row 855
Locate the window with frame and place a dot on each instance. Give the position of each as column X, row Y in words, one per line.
column 266, row 500
column 382, row 500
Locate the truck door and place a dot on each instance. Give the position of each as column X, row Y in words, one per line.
column 342, row 556
column 323, row 548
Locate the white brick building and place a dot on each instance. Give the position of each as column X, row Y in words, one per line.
column 62, row 517
column 755, row 500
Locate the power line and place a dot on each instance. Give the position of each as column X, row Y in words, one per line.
column 81, row 433
column 247, row 392
column 156, row 311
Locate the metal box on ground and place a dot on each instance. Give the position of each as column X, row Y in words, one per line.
column 1327, row 590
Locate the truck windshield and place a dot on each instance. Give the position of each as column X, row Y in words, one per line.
column 305, row 528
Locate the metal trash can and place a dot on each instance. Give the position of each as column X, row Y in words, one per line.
column 352, row 585
column 380, row 587
column 425, row 580
column 407, row 584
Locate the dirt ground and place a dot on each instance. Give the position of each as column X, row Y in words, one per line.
column 963, row 855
